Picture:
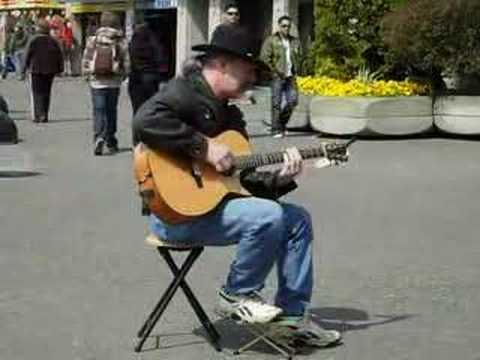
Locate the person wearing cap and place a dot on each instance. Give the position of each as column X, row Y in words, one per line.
column 44, row 60
column 282, row 52
column 184, row 119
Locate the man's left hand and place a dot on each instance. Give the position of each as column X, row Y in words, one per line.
column 292, row 166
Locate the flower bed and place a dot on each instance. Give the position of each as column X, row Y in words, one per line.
column 325, row 86
column 367, row 108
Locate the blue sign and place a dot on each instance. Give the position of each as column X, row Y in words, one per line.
column 165, row 4
column 156, row 4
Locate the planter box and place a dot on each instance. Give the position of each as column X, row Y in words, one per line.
column 458, row 114
column 403, row 115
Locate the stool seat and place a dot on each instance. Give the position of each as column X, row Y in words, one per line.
column 155, row 241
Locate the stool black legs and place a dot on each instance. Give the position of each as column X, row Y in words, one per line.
column 178, row 281
column 202, row 316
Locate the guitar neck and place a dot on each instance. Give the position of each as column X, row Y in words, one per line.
column 257, row 160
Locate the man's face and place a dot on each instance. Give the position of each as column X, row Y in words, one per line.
column 238, row 76
column 284, row 26
column 232, row 15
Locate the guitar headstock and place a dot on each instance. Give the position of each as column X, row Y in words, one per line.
column 338, row 152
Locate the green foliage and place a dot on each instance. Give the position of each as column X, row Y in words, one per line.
column 347, row 36
column 436, row 36
column 365, row 75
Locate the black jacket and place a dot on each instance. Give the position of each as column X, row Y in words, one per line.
column 147, row 52
column 43, row 56
column 177, row 118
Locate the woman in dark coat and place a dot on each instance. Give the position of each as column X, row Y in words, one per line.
column 44, row 60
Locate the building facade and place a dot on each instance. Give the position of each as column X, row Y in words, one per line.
column 187, row 22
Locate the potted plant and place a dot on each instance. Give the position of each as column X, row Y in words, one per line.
column 346, row 66
column 367, row 107
column 437, row 39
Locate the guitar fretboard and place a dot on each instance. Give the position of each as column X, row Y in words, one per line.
column 257, row 160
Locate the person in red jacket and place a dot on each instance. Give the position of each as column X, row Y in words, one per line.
column 67, row 42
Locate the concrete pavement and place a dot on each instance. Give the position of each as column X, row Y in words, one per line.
column 396, row 254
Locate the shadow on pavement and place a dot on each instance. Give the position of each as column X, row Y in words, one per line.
column 233, row 335
column 347, row 319
column 18, row 173
column 57, row 121
column 125, row 149
column 157, row 342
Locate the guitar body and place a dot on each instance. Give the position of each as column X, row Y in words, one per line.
column 173, row 193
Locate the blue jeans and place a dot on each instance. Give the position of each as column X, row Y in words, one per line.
column 18, row 58
column 284, row 100
column 267, row 233
column 105, row 101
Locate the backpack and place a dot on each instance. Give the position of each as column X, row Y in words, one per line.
column 106, row 57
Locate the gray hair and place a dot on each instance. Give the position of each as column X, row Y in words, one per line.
column 191, row 65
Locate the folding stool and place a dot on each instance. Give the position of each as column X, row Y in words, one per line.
column 164, row 248
column 266, row 333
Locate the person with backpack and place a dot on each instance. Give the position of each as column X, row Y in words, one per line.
column 106, row 62
column 43, row 57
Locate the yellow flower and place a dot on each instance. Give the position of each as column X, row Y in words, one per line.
column 333, row 87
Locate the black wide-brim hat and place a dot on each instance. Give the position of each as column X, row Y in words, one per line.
column 233, row 40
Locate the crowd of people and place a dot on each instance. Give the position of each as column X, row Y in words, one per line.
column 42, row 46
column 18, row 27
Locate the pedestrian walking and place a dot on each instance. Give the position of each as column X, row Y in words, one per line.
column 282, row 52
column 44, row 60
column 150, row 59
column 3, row 41
column 106, row 63
column 17, row 41
column 68, row 43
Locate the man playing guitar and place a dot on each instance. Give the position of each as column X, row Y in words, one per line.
column 183, row 120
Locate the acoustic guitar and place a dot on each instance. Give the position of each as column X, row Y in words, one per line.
column 177, row 189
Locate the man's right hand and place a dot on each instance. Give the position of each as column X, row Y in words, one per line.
column 219, row 156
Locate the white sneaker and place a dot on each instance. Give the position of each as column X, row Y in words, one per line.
column 249, row 308
column 302, row 331
column 278, row 135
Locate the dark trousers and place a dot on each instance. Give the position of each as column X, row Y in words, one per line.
column 41, row 87
column 141, row 87
column 105, row 101
column 284, row 100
